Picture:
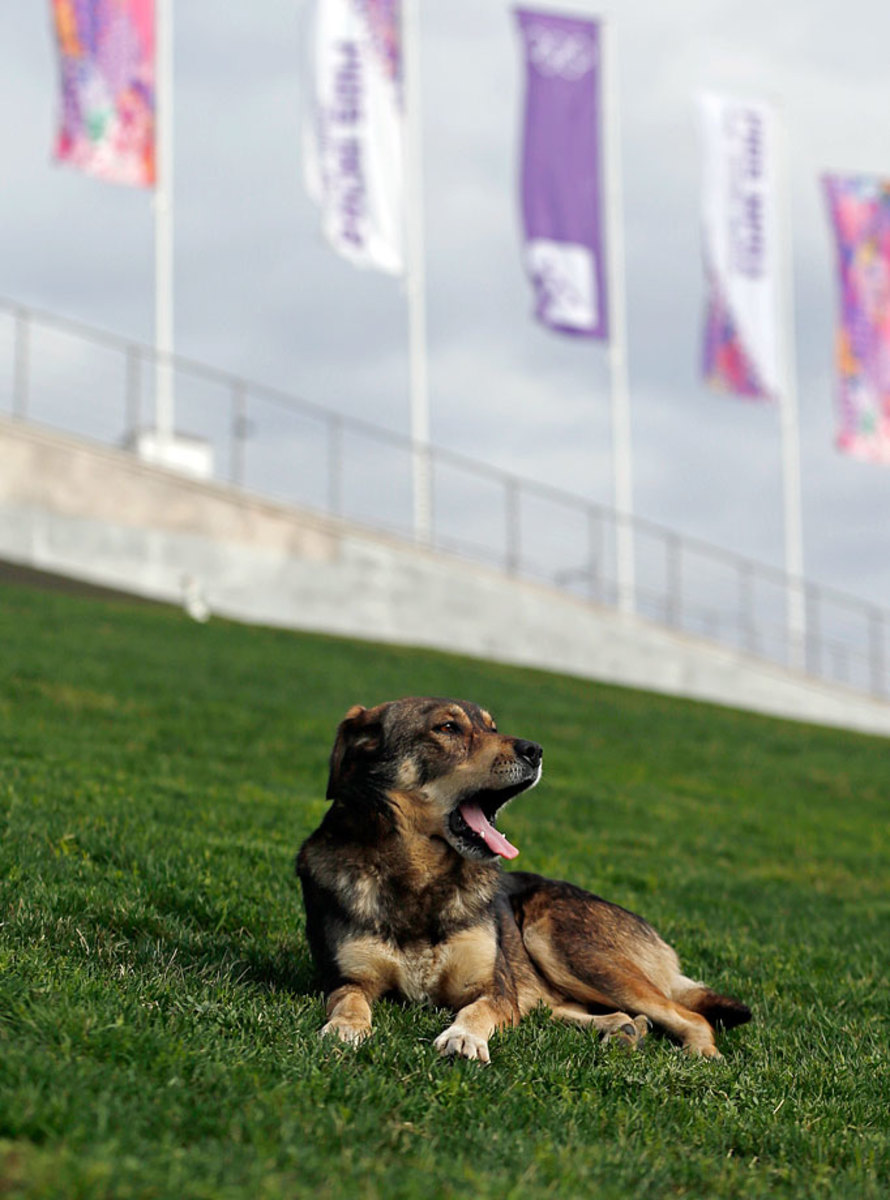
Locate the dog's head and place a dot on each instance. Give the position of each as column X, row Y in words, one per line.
column 440, row 767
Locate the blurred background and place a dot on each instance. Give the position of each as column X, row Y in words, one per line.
column 260, row 296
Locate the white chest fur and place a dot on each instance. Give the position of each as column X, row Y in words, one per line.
column 445, row 973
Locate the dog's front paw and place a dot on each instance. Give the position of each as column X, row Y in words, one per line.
column 351, row 1032
column 457, row 1040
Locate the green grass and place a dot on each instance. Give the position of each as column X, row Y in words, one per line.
column 158, row 1016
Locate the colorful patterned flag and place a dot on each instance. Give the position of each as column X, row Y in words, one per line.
column 860, row 214
column 106, row 62
column 353, row 132
column 741, row 351
column 561, row 195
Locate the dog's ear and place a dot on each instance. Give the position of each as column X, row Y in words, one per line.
column 359, row 738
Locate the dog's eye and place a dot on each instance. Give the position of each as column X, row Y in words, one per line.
column 448, row 727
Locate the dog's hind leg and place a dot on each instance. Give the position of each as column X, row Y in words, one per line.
column 600, row 955
column 624, row 1029
column 592, row 977
column 686, row 1025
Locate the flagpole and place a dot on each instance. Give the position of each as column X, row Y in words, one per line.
column 790, row 424
column 163, row 210
column 415, row 274
column 617, row 304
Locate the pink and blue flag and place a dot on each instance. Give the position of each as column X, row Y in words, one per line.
column 859, row 208
column 561, row 173
column 107, row 69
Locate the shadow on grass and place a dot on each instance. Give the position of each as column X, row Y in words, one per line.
column 168, row 945
column 288, row 969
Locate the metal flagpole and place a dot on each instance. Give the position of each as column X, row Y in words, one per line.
column 621, row 432
column 795, row 606
column 414, row 273
column 163, row 207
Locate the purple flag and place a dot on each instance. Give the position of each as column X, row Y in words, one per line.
column 561, row 197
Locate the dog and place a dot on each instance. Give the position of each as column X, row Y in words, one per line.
column 404, row 895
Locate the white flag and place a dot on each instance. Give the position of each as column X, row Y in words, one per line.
column 353, row 144
column 742, row 262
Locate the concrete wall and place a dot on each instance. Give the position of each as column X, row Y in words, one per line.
column 101, row 515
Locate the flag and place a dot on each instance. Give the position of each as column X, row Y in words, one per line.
column 561, row 171
column 353, row 143
column 859, row 208
column 741, row 351
column 107, row 70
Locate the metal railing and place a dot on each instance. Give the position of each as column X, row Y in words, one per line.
column 71, row 376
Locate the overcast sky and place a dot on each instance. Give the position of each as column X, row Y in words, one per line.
column 258, row 292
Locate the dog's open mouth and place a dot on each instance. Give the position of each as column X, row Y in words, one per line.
column 472, row 823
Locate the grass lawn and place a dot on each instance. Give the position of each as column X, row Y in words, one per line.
column 158, row 1016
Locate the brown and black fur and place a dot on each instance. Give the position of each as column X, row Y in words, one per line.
column 403, row 898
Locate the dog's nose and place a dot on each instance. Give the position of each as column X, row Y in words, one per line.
column 530, row 751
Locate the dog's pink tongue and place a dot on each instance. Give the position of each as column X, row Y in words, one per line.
column 493, row 838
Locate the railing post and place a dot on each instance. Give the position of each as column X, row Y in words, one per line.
column 746, row 607
column 511, row 501
column 134, row 391
column 876, row 652
column 21, row 380
column 673, row 549
column 335, row 465
column 840, row 664
column 238, row 432
column 814, row 629
column 431, row 497
column 595, row 552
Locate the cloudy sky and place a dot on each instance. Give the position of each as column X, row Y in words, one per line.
column 259, row 293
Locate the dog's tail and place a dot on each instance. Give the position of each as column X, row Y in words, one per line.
column 716, row 1009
